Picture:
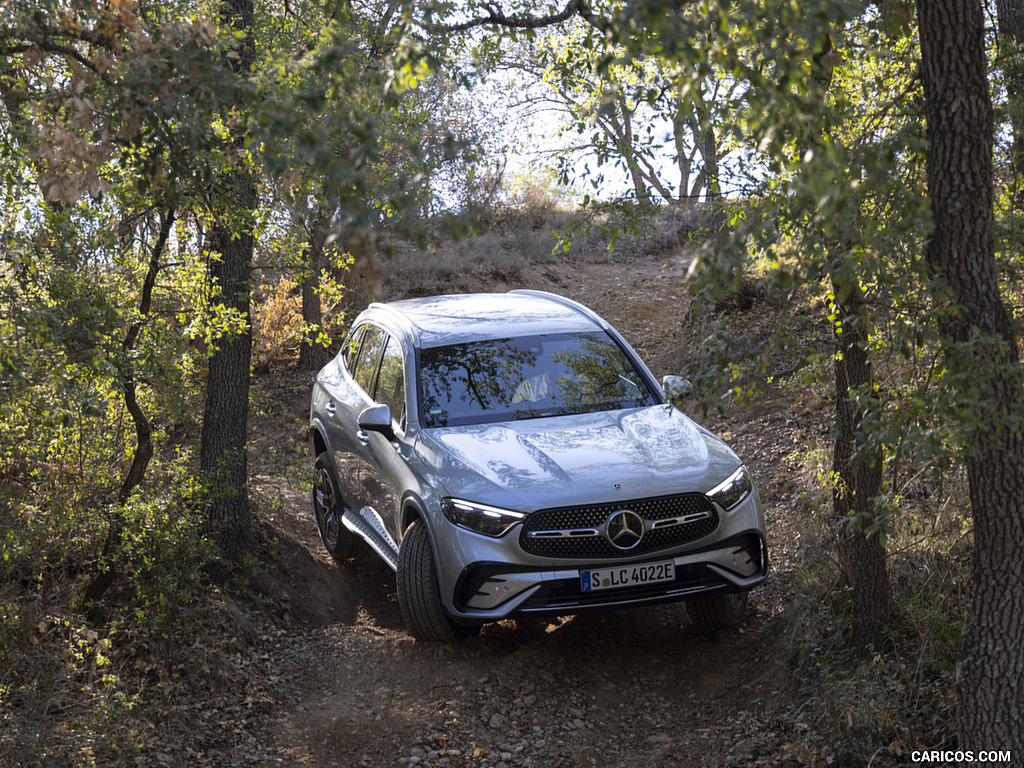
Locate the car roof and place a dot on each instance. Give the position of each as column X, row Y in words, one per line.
column 436, row 321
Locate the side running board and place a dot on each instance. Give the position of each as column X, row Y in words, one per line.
column 367, row 525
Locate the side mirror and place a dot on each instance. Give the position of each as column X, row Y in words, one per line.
column 377, row 418
column 676, row 389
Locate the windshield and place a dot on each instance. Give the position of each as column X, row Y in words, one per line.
column 526, row 378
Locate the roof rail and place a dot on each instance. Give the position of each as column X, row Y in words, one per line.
column 384, row 311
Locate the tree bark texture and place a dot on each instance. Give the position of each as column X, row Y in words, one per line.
column 223, row 457
column 981, row 346
column 858, row 472
column 313, row 355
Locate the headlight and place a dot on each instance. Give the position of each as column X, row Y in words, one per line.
column 490, row 521
column 733, row 490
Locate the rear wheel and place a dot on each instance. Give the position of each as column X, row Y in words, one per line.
column 418, row 594
column 327, row 505
column 721, row 611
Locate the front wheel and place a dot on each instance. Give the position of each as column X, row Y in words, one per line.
column 721, row 611
column 418, row 594
column 339, row 541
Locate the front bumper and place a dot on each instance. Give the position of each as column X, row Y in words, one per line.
column 483, row 579
column 492, row 591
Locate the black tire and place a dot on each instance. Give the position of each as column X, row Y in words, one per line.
column 418, row 595
column 339, row 541
column 714, row 612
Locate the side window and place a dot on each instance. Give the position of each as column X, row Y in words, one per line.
column 370, row 347
column 391, row 381
column 351, row 349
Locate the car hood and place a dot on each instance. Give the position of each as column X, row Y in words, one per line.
column 590, row 458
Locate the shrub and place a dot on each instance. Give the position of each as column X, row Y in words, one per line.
column 278, row 327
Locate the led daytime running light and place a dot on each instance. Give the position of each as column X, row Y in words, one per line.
column 490, row 521
column 733, row 490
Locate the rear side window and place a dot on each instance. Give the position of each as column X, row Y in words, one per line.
column 391, row 381
column 371, row 345
column 351, row 350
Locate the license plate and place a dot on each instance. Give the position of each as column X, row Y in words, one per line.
column 627, row 575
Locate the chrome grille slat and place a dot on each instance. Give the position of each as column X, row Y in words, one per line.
column 669, row 521
column 682, row 520
column 563, row 533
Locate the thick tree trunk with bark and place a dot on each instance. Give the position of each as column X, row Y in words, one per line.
column 223, row 458
column 981, row 347
column 858, row 471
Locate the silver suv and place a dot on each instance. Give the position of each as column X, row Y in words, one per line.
column 510, row 455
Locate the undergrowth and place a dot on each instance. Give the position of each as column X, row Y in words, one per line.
column 539, row 233
column 849, row 707
column 82, row 689
column 876, row 707
column 82, row 683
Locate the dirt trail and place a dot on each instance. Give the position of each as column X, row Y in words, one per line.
column 346, row 686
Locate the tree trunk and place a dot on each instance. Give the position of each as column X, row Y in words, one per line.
column 981, row 351
column 681, row 120
column 623, row 138
column 143, row 430
column 313, row 355
column 706, row 142
column 105, row 575
column 1010, row 14
column 223, row 459
column 858, row 471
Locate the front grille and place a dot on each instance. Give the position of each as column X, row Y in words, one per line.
column 578, row 532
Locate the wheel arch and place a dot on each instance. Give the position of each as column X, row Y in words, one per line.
column 412, row 510
column 317, row 440
column 318, row 445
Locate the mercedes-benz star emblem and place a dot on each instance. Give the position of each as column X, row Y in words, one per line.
column 625, row 529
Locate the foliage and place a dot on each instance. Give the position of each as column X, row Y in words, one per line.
column 537, row 189
column 53, row 657
column 639, row 114
column 898, row 697
column 278, row 326
column 118, row 119
column 833, row 116
column 119, row 116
